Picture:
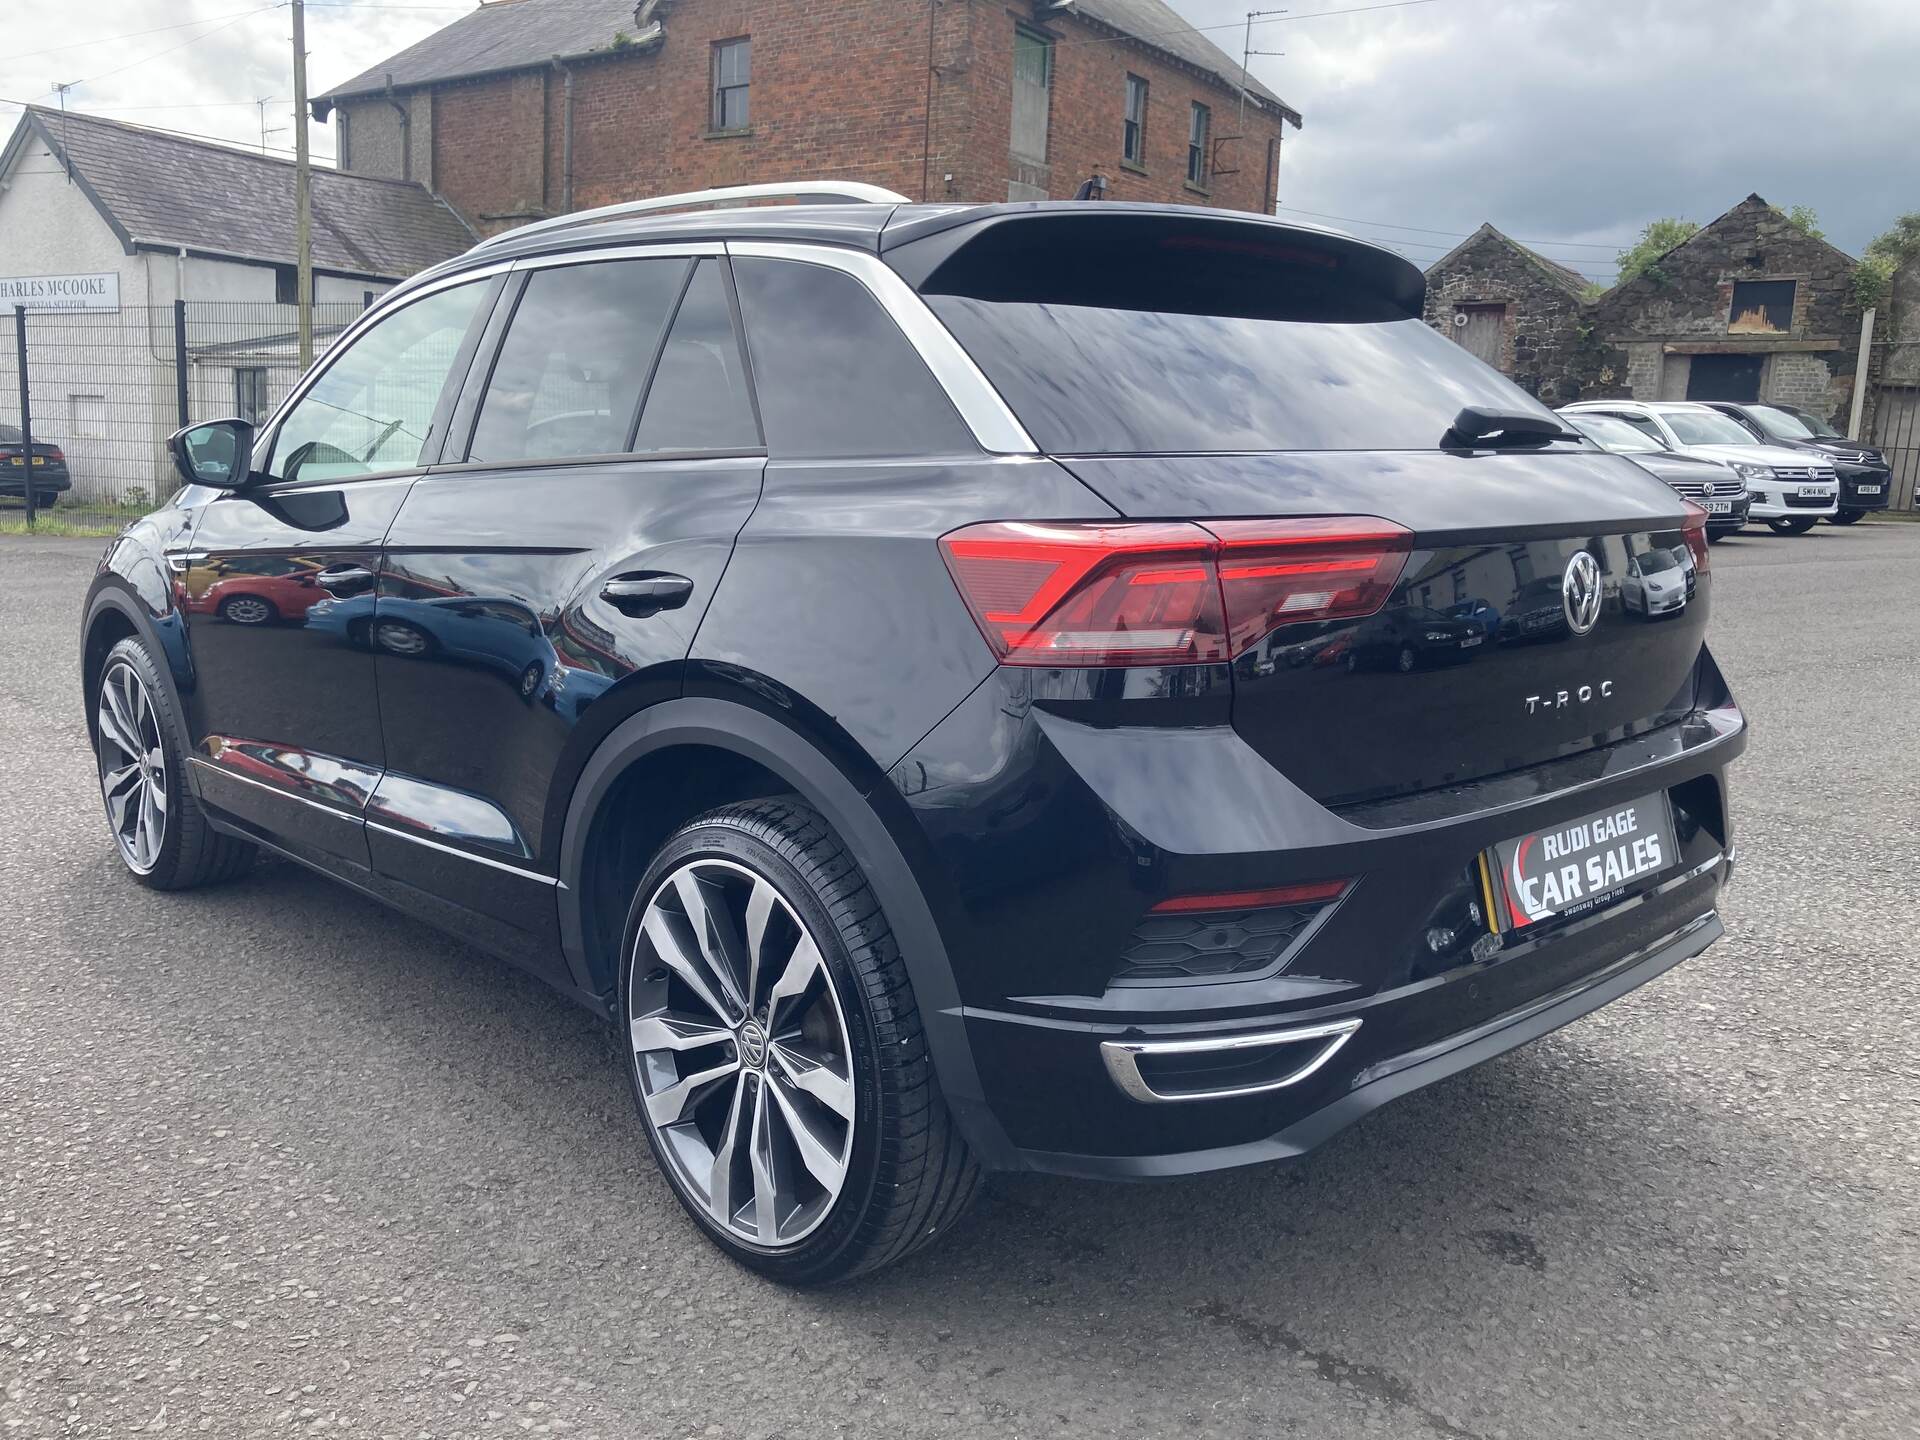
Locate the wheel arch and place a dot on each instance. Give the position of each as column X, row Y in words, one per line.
column 743, row 751
column 113, row 615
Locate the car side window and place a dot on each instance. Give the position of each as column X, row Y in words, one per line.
column 571, row 371
column 371, row 410
column 699, row 399
column 835, row 376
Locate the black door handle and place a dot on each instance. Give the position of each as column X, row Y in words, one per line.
column 344, row 579
column 641, row 595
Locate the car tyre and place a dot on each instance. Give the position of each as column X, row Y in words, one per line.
column 768, row 1011
column 1793, row 524
column 1406, row 660
column 140, row 750
column 1846, row 517
column 248, row 610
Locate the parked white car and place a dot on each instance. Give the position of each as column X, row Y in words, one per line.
column 1791, row 489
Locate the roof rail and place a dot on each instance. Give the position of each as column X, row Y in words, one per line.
column 818, row 190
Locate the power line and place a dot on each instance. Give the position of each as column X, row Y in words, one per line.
column 136, row 34
column 1615, row 245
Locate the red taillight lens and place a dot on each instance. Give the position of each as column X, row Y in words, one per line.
column 1694, row 531
column 1091, row 594
column 1275, row 573
column 1166, row 594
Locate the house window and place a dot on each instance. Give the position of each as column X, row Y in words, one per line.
column 286, row 285
column 1133, row 144
column 1032, row 94
column 1761, row 307
column 250, row 393
column 1199, row 127
column 732, row 67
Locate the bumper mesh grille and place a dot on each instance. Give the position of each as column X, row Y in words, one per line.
column 1198, row 947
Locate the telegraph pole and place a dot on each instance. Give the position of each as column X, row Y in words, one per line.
column 302, row 187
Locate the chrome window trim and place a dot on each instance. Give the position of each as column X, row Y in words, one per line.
column 1121, row 1057
column 994, row 425
column 673, row 250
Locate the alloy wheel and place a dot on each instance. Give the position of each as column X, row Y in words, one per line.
column 741, row 1053
column 247, row 610
column 133, row 766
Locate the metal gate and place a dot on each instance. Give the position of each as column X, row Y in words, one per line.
column 1893, row 414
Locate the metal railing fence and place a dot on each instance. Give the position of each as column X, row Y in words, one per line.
column 106, row 389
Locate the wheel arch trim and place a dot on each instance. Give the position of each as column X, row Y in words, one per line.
column 741, row 730
column 162, row 636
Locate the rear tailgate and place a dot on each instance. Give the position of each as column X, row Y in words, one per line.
column 1472, row 667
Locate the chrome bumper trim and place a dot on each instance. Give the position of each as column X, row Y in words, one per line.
column 1122, row 1056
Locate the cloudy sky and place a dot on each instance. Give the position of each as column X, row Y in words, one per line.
column 1568, row 123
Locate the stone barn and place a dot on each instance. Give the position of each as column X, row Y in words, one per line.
column 1516, row 310
column 1751, row 308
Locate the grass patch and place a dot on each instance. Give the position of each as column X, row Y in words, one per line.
column 58, row 525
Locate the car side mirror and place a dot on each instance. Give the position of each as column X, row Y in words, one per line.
column 218, row 453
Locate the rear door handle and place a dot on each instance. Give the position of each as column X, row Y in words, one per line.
column 641, row 595
column 344, row 579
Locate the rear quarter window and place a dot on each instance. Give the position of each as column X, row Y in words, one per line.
column 835, row 376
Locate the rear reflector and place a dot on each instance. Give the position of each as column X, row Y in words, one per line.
column 1694, row 531
column 1166, row 593
column 1319, row 892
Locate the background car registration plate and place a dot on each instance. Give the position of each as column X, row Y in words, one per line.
column 1813, row 492
column 1719, row 507
column 1566, row 870
column 1869, row 489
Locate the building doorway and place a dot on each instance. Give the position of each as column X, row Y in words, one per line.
column 1482, row 331
column 1030, row 177
column 1725, row 377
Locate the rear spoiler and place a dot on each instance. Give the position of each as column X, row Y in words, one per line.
column 1152, row 257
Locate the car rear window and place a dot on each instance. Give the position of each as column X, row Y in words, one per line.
column 1088, row 379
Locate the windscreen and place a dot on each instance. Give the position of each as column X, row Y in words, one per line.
column 1108, row 380
column 1779, row 424
column 1611, row 434
column 1705, row 427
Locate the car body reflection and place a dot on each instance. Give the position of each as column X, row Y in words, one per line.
column 250, row 589
column 1659, row 581
column 1412, row 637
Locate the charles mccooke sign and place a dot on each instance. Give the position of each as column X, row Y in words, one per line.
column 61, row 292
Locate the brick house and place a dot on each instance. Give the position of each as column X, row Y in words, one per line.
column 1750, row 308
column 1515, row 309
column 529, row 108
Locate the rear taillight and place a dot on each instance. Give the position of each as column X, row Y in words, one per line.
column 1694, row 532
column 1091, row 594
column 55, row 455
column 1166, row 593
column 1275, row 573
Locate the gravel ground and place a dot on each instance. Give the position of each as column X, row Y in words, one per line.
column 276, row 1160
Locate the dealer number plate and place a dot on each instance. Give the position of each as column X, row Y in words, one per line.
column 1567, row 870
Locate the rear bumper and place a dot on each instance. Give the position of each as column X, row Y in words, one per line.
column 1048, row 841
column 47, row 480
column 1360, row 1080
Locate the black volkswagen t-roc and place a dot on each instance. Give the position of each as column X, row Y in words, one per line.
column 955, row 685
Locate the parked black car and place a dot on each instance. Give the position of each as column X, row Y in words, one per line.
column 1714, row 485
column 1866, row 479
column 1413, row 637
column 913, row 775
column 48, row 468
